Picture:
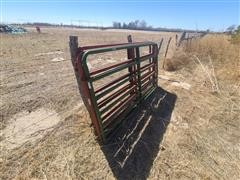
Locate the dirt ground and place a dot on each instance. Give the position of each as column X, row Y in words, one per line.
column 46, row 133
column 36, row 71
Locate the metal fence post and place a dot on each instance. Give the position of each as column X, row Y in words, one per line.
column 155, row 59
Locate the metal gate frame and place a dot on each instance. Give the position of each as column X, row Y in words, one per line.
column 107, row 109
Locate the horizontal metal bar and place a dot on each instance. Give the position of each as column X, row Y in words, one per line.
column 117, row 108
column 148, row 92
column 100, row 76
column 146, row 57
column 112, row 96
column 144, row 86
column 112, row 88
column 118, row 47
column 116, row 101
column 112, row 82
column 109, row 67
column 147, row 74
column 111, row 122
column 146, row 79
column 142, row 69
column 143, row 79
column 100, row 46
column 115, row 65
column 117, row 120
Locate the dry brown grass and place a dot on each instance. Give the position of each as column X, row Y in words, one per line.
column 200, row 142
column 216, row 52
column 221, row 57
column 31, row 79
column 209, row 111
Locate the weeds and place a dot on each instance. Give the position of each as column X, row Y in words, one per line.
column 210, row 73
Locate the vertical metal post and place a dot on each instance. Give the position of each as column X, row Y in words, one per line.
column 138, row 74
column 155, row 59
column 150, row 50
column 132, row 69
column 82, row 84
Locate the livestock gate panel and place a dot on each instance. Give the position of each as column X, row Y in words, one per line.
column 127, row 83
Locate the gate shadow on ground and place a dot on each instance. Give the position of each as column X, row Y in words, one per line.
column 131, row 152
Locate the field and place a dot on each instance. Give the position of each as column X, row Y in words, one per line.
column 46, row 132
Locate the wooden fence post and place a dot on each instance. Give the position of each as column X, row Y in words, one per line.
column 167, row 46
column 176, row 39
column 160, row 45
column 132, row 69
column 166, row 51
column 73, row 46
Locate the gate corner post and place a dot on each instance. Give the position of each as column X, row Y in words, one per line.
column 73, row 45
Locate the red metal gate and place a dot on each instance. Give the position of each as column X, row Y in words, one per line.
column 110, row 103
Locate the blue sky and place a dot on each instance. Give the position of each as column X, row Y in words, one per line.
column 201, row 14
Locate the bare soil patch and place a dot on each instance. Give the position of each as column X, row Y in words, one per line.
column 28, row 127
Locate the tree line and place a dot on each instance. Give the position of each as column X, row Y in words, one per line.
column 137, row 24
column 142, row 25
